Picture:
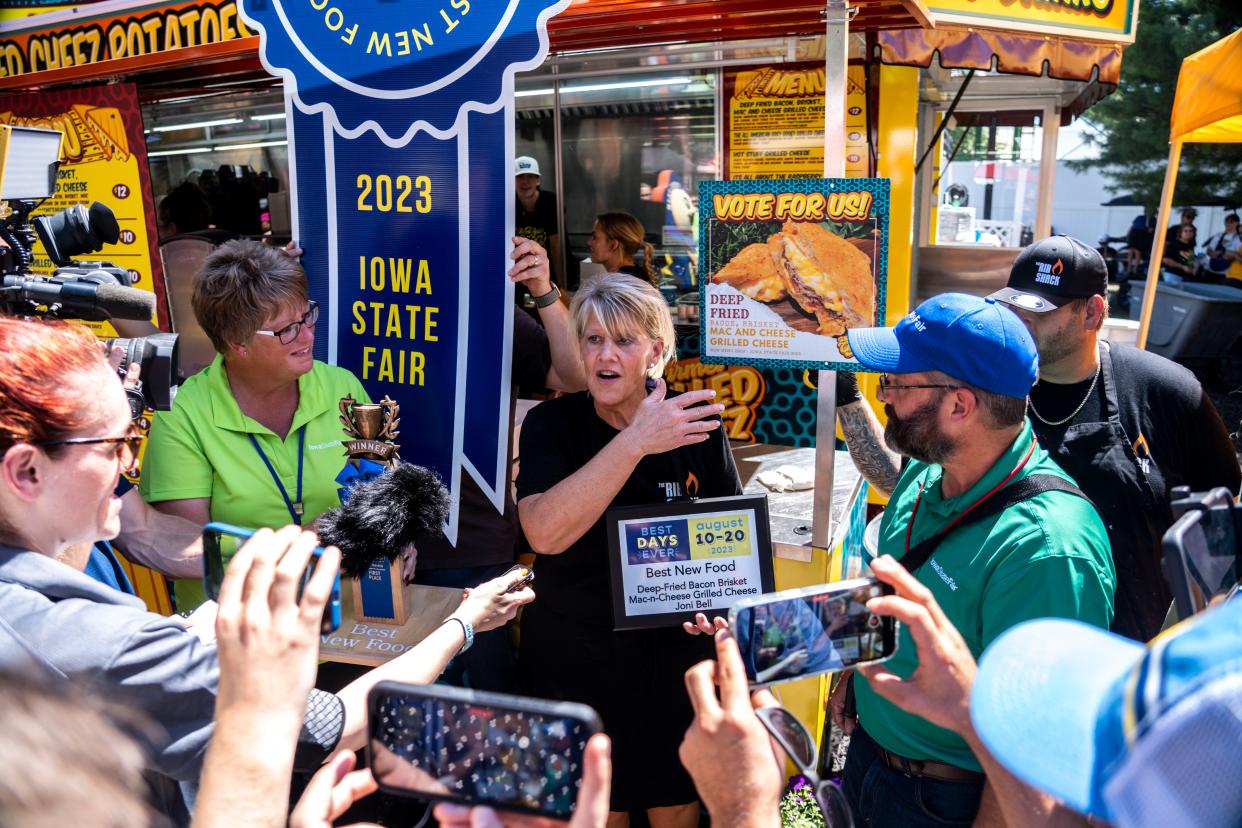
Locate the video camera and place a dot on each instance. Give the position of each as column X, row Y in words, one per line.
column 93, row 291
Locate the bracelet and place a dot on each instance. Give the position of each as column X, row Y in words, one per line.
column 467, row 631
column 548, row 298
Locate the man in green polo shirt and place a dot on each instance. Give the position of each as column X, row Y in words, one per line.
column 959, row 369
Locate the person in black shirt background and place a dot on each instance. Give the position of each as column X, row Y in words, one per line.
column 1128, row 425
column 615, row 239
column 1179, row 256
column 536, row 217
column 616, row 445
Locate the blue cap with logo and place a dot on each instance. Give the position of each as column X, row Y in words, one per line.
column 975, row 340
column 1137, row 736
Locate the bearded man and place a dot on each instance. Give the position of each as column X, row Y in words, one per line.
column 1127, row 424
column 981, row 515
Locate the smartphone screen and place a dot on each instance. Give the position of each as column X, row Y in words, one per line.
column 1202, row 559
column 804, row 632
column 478, row 748
column 221, row 542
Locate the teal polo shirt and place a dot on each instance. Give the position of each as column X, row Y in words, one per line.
column 201, row 448
column 1047, row 556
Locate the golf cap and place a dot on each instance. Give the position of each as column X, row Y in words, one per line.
column 525, row 165
column 1052, row 272
column 975, row 340
column 1141, row 737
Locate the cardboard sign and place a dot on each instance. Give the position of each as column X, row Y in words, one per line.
column 791, row 266
column 672, row 560
column 401, row 153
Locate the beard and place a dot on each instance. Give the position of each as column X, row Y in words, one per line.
column 1055, row 346
column 918, row 435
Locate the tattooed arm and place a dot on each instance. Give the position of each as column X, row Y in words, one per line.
column 865, row 438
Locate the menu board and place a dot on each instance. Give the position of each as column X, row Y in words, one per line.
column 774, row 122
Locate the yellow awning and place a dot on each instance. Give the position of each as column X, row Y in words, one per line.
column 1208, row 105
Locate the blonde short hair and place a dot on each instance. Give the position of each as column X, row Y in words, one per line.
column 624, row 305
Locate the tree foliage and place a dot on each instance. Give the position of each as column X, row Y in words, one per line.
column 1133, row 122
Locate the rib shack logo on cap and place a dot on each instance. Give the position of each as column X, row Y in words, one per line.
column 1049, row 274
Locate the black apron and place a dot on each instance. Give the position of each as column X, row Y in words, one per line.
column 1101, row 459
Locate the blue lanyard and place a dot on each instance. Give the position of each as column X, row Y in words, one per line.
column 295, row 507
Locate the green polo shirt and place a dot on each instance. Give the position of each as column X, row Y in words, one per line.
column 201, row 448
column 1047, row 556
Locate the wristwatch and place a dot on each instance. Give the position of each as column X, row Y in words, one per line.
column 547, row 298
column 466, row 629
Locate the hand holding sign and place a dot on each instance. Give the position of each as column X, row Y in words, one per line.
column 663, row 424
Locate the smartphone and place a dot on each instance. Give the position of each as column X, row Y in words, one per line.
column 222, row 540
column 477, row 748
column 804, row 632
column 1202, row 556
column 528, row 577
column 650, row 384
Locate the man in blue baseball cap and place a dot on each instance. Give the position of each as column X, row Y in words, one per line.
column 983, row 518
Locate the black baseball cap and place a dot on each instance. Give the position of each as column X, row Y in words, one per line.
column 1053, row 272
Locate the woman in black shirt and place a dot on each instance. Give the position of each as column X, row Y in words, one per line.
column 614, row 242
column 616, row 444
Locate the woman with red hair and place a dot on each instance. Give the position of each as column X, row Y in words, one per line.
column 65, row 436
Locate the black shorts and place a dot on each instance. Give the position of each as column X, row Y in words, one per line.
column 635, row 680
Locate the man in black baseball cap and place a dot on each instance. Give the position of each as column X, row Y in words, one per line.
column 1127, row 425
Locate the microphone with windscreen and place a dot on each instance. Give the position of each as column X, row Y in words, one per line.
column 382, row 515
column 95, row 296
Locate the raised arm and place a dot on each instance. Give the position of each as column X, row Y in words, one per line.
column 531, row 265
column 864, row 436
column 168, row 543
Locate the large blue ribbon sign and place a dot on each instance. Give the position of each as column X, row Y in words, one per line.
column 401, row 152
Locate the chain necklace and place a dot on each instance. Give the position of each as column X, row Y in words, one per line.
column 1031, row 405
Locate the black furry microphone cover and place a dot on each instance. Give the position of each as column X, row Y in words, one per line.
column 382, row 515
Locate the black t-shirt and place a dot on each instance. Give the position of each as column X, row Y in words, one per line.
column 561, row 436
column 484, row 536
column 540, row 223
column 635, row 270
column 1163, row 404
column 1180, row 252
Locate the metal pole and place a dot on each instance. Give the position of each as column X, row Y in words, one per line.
column 1157, row 245
column 563, row 252
column 836, row 59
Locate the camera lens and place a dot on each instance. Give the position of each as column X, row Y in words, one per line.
column 77, row 230
column 159, row 357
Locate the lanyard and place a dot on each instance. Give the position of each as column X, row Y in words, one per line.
column 914, row 512
column 295, row 507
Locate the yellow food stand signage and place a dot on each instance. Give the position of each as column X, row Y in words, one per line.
column 1112, row 20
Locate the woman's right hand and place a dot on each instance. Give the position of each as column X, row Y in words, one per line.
column 662, row 424
column 490, row 604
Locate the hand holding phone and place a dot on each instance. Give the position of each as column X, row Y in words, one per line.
column 476, row 748
column 804, row 632
column 221, row 541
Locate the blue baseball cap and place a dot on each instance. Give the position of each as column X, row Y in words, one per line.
column 978, row 341
column 1137, row 736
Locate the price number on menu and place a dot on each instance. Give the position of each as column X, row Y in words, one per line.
column 385, row 194
column 727, row 536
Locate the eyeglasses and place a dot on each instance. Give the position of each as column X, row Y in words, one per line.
column 126, row 447
column 290, row 332
column 885, row 385
column 798, row 745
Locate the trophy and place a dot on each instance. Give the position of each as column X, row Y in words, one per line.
column 371, row 431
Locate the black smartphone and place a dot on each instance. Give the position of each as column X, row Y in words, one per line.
column 1203, row 554
column 650, row 384
column 528, row 577
column 222, row 540
column 804, row 632
column 477, row 748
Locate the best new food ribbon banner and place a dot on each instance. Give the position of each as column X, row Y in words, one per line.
column 791, row 265
column 401, row 153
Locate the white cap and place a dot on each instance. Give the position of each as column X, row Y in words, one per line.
column 525, row 165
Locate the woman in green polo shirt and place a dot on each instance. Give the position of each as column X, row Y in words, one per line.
column 254, row 438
